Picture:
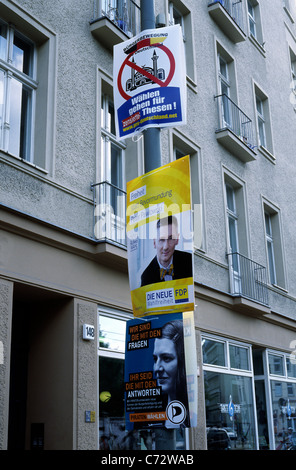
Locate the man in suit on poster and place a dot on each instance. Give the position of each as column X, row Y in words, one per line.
column 169, row 263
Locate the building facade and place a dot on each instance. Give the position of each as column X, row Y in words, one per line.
column 63, row 259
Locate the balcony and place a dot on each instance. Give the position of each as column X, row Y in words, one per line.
column 115, row 21
column 228, row 16
column 109, row 213
column 235, row 129
column 248, row 284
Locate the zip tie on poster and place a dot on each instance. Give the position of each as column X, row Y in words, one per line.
column 136, row 139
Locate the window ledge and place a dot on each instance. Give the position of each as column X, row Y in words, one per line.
column 17, row 161
column 257, row 44
column 267, row 154
column 107, row 32
column 228, row 25
column 235, row 145
column 289, row 14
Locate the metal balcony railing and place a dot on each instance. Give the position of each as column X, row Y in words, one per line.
column 233, row 8
column 126, row 14
column 233, row 118
column 248, row 278
column 109, row 213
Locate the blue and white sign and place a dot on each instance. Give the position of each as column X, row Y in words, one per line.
column 150, row 88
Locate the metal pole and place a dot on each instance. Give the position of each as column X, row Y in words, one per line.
column 165, row 438
column 152, row 148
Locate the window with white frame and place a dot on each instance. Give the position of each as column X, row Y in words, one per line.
column 254, row 19
column 227, row 89
column 18, row 86
column 270, row 248
column 229, row 395
column 111, row 193
column 263, row 123
column 181, row 147
column 293, row 69
column 260, row 121
column 27, row 88
column 178, row 13
column 282, row 377
column 274, row 249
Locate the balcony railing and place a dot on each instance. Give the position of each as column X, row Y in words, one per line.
column 233, row 8
column 109, row 213
column 233, row 118
column 126, row 14
column 248, row 278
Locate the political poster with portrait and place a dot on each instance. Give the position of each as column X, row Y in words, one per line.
column 150, row 87
column 160, row 375
column 160, row 240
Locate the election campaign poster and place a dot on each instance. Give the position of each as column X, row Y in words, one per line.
column 160, row 240
column 161, row 372
column 150, row 88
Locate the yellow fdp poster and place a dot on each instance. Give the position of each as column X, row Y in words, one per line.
column 160, row 240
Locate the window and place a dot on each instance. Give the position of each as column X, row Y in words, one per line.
column 178, row 13
column 111, row 195
column 27, row 89
column 227, row 90
column 117, row 162
column 17, row 88
column 182, row 146
column 224, row 85
column 293, row 70
column 270, row 248
column 228, row 385
column 263, row 122
column 236, row 232
column 255, row 27
column 260, row 121
column 274, row 251
column 252, row 20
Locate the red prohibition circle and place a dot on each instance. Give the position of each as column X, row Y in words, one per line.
column 144, row 72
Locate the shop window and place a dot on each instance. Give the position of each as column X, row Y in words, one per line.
column 239, row 357
column 276, row 364
column 230, row 414
column 213, row 352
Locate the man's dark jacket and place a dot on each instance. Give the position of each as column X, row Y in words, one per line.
column 182, row 262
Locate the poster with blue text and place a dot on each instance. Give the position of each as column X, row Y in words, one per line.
column 150, row 87
column 161, row 372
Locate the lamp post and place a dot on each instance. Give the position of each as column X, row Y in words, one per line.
column 165, row 438
column 152, row 149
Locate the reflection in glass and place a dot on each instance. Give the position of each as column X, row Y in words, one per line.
column 112, row 333
column 239, row 357
column 20, row 117
column 291, row 366
column 21, row 55
column 276, row 364
column 229, row 411
column 283, row 397
column 213, row 352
